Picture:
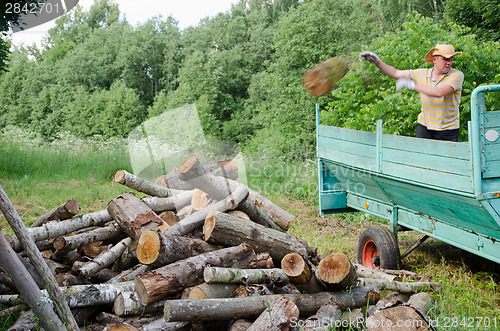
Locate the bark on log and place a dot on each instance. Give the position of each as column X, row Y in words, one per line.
column 159, row 249
column 169, row 217
column 199, row 200
column 134, row 216
column 161, row 324
column 422, row 302
column 27, row 321
column 36, row 258
column 250, row 307
column 261, row 261
column 56, row 229
column 301, row 275
column 392, row 319
column 120, row 327
column 402, row 287
column 62, row 212
column 104, row 260
column 197, row 219
column 130, row 274
column 226, row 168
column 229, row 230
column 27, row 287
column 365, row 272
column 95, row 248
column 212, row 291
column 240, row 325
column 390, row 300
column 111, row 231
column 172, row 278
column 176, row 202
column 336, row 271
column 140, row 184
column 127, row 303
column 192, row 172
column 251, row 290
column 239, row 213
column 281, row 314
column 236, row 276
column 324, row 319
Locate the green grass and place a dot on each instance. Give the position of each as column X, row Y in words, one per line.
column 38, row 177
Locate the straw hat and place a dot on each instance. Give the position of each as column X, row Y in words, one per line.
column 446, row 51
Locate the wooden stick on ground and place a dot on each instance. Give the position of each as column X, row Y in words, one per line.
column 64, row 211
column 37, row 260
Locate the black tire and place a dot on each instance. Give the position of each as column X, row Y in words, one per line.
column 378, row 245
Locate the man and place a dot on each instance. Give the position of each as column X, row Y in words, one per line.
column 440, row 90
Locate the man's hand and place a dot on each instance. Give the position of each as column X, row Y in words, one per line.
column 405, row 83
column 369, row 56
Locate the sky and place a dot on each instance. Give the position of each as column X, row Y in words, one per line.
column 187, row 12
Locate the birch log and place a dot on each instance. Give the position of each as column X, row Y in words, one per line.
column 176, row 202
column 17, row 225
column 402, row 287
column 236, row 276
column 56, row 229
column 336, row 271
column 251, row 307
column 159, row 249
column 127, row 303
column 365, row 272
column 140, row 184
column 229, row 230
column 62, row 212
column 162, row 282
column 134, row 216
column 111, row 231
column 196, row 220
column 281, row 314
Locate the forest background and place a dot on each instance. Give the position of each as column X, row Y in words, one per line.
column 96, row 75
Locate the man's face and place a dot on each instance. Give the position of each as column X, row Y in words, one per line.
column 442, row 64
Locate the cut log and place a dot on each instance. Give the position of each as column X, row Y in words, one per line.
column 422, row 302
column 95, row 248
column 161, row 324
column 130, row 274
column 17, row 225
column 261, row 261
column 402, row 287
column 211, row 291
column 104, row 260
column 392, row 299
column 199, row 200
column 251, row 290
column 240, row 325
column 27, row 321
column 324, row 319
column 301, row 275
column 169, row 217
column 229, row 230
column 128, row 259
column 336, row 271
column 176, row 202
column 185, row 212
column 251, row 307
column 159, row 249
column 365, row 272
column 127, row 303
column 140, row 184
column 281, row 314
column 56, row 229
column 162, row 282
column 392, row 319
column 226, row 168
column 236, row 276
column 134, row 216
column 62, row 212
column 238, row 213
column 323, row 78
column 197, row 219
column 111, row 231
column 353, row 319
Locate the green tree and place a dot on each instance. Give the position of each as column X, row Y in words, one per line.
column 482, row 15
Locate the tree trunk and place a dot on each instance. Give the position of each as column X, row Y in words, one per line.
column 336, row 271
column 139, row 184
column 212, row 291
column 159, row 249
column 251, row 307
column 56, row 229
column 37, row 260
column 236, row 276
column 111, row 231
column 197, row 219
column 176, row 202
column 402, row 287
column 104, row 260
column 134, row 216
column 62, row 212
column 226, row 168
column 229, row 230
column 27, row 287
column 162, row 282
column 365, row 272
column 127, row 303
column 281, row 314
column 324, row 319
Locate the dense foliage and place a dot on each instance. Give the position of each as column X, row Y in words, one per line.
column 98, row 75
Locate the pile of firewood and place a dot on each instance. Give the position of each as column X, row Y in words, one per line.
column 145, row 263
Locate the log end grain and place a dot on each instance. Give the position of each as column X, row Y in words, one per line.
column 199, row 199
column 238, row 213
column 197, row 293
column 119, row 176
column 190, row 164
column 148, row 247
column 209, row 225
column 72, row 206
column 296, row 268
column 336, row 270
column 169, row 218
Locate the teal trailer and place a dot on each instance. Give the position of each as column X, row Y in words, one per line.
column 449, row 191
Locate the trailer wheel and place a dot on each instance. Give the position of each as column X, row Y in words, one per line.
column 378, row 248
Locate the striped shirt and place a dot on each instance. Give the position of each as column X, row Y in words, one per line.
column 439, row 113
